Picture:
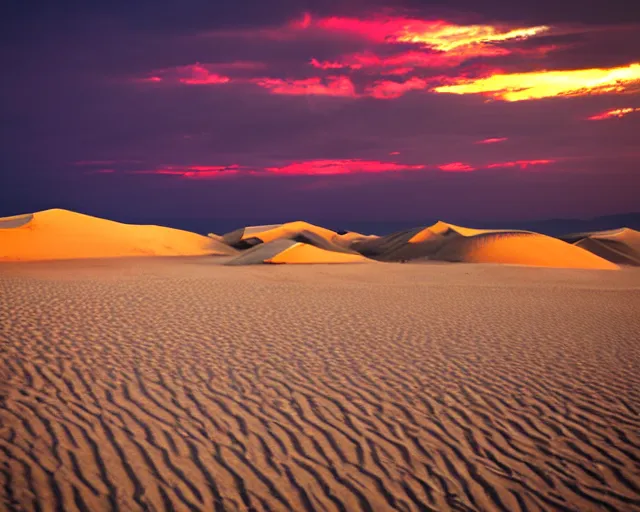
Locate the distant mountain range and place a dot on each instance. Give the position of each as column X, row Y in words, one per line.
column 553, row 227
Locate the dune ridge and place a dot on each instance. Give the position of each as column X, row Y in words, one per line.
column 62, row 234
column 447, row 242
column 621, row 246
column 221, row 390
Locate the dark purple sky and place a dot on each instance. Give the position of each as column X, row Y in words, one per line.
column 339, row 110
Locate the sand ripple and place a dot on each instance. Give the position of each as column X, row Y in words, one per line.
column 191, row 386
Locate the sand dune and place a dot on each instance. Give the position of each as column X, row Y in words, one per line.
column 349, row 238
column 284, row 250
column 61, row 234
column 621, row 246
column 446, row 242
column 179, row 384
column 253, row 235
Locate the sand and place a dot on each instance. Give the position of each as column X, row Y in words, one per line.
column 621, row 246
column 447, row 242
column 286, row 251
column 183, row 384
column 62, row 234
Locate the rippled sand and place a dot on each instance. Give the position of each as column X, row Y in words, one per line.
column 183, row 384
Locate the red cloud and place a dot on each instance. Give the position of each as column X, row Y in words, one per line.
column 197, row 74
column 332, row 167
column 335, row 86
column 456, row 167
column 494, row 140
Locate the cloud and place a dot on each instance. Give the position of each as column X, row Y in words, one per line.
column 339, row 86
column 322, row 167
column 546, row 84
column 437, row 34
column 387, row 89
column 493, row 140
column 456, row 167
column 196, row 171
column 346, row 166
column 523, row 164
column 614, row 113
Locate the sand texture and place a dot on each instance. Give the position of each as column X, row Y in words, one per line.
column 286, row 251
column 446, row 242
column 61, row 234
column 183, row 384
column 621, row 246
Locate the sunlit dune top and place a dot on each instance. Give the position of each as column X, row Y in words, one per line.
column 62, row 234
column 285, row 251
column 448, row 242
column 270, row 233
column 443, row 228
column 522, row 248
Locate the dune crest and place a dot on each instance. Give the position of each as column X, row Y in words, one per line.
column 286, row 251
column 621, row 246
column 62, row 234
column 252, row 235
column 448, row 242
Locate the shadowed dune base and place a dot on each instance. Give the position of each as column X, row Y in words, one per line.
column 181, row 384
column 62, row 234
column 285, row 251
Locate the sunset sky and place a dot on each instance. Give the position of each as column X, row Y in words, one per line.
column 321, row 110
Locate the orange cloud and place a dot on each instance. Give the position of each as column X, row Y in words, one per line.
column 493, row 140
column 546, row 84
column 615, row 113
column 332, row 86
column 333, row 167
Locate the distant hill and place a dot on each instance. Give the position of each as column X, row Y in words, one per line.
column 557, row 227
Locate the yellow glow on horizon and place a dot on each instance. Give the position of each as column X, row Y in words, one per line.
column 547, row 84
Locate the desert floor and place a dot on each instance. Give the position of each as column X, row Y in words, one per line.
column 181, row 384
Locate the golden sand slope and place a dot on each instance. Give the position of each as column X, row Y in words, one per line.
column 291, row 252
column 620, row 246
column 447, row 242
column 178, row 384
column 61, row 234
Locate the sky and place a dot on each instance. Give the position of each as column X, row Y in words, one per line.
column 351, row 110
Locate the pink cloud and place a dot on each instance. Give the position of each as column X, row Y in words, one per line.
column 196, row 171
column 456, row 167
column 493, row 140
column 333, row 167
column 387, row 89
column 340, row 86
